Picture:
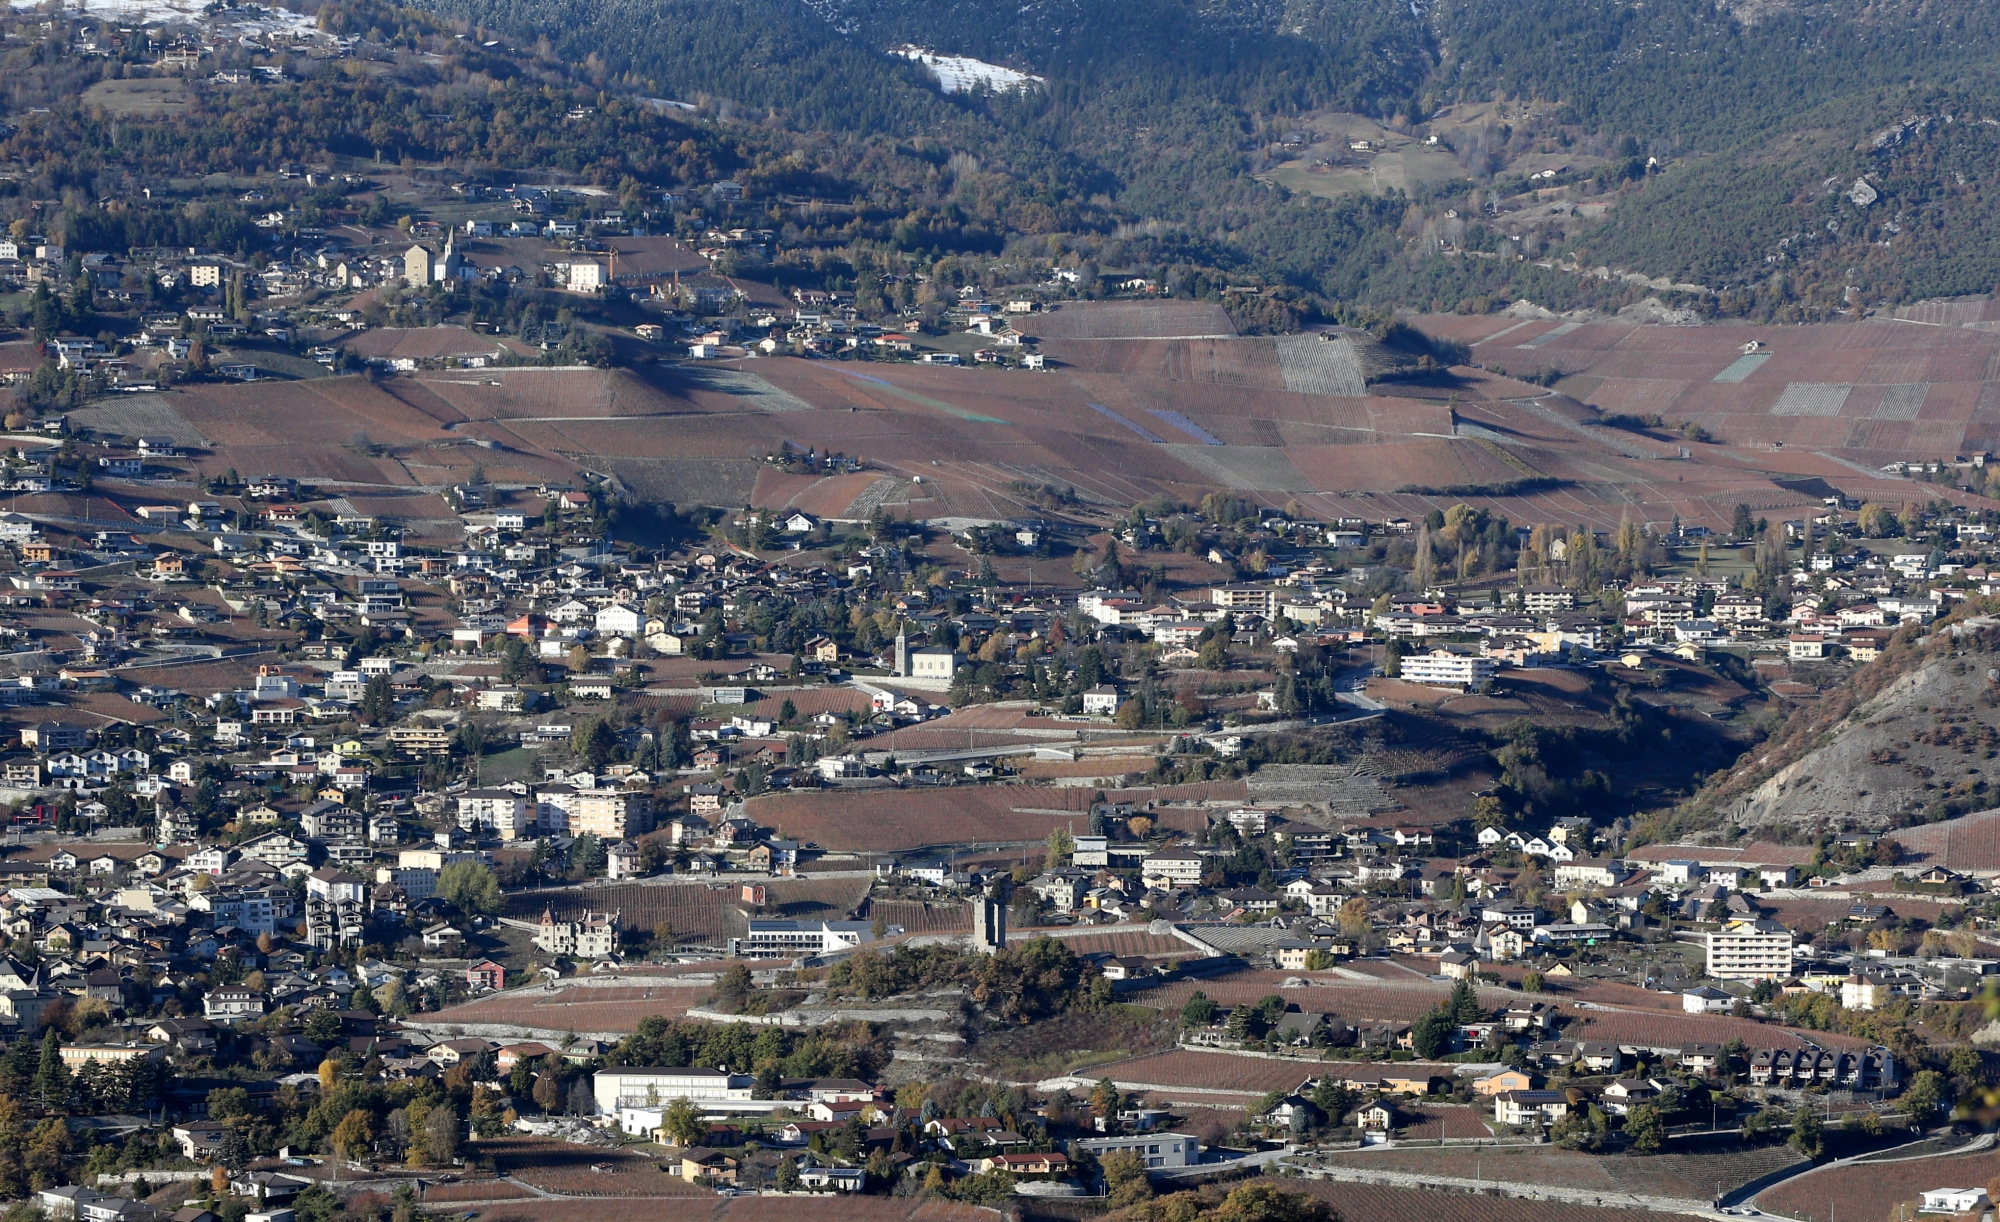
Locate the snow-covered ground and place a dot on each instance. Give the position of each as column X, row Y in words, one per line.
column 249, row 19
column 960, row 73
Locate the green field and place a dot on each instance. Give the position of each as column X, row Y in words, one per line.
column 143, row 98
column 1397, row 170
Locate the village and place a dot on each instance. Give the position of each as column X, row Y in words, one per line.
column 526, row 693
column 309, row 812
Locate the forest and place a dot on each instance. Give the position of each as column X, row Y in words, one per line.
column 1145, row 148
column 1149, row 130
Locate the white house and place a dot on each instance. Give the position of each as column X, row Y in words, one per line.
column 1953, row 1201
column 617, row 620
column 1525, row 1107
column 1706, row 1000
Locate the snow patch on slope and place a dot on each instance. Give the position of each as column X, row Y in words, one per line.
column 963, row 74
column 249, row 20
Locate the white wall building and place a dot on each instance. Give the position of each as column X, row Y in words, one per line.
column 496, row 810
column 1441, row 668
column 713, row 1090
column 1750, row 950
column 1158, row 1149
column 1174, row 867
column 790, row 939
column 934, row 664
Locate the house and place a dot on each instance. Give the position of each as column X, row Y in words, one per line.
column 198, row 1138
column 1622, row 1096
column 1750, row 949
column 1953, row 1201
column 1706, row 999
column 714, row 1166
column 1025, row 1164
column 1530, row 1107
column 513, row 1054
column 1866, row 989
column 1100, row 701
column 228, row 1006
column 485, row 976
column 1293, row 955
column 1600, row 1057
column 1377, row 1117
column 447, row 1053
column 1502, row 1082
column 838, row 1179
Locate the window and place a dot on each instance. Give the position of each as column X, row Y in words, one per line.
column 1156, row 1162
column 1152, row 1149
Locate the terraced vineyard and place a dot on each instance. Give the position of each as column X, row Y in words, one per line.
column 1874, row 1191
column 1686, row 1176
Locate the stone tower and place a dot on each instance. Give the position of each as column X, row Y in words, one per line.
column 418, row 266
column 902, row 654
column 989, row 926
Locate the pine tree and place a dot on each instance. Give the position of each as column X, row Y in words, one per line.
column 378, row 703
column 1464, row 1004
column 52, row 1078
column 17, row 1071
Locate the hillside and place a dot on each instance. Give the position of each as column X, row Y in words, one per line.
column 1906, row 740
column 1188, row 140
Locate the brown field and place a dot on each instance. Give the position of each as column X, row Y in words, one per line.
column 898, row 820
column 1380, row 1204
column 1688, row 1176
column 1833, row 401
column 1351, row 1000
column 1971, row 843
column 1126, row 768
column 1873, row 1191
column 571, row 1170
column 1434, row 1121
column 141, row 98
column 480, row 1190
column 1245, row 362
column 1123, row 942
column 1617, row 1013
column 606, row 1010
column 922, row 916
column 1130, row 319
column 681, row 1207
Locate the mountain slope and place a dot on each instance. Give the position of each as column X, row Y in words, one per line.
column 1149, row 141
column 1908, row 739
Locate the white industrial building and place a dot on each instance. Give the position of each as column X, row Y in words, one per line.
column 628, row 1088
column 793, row 939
